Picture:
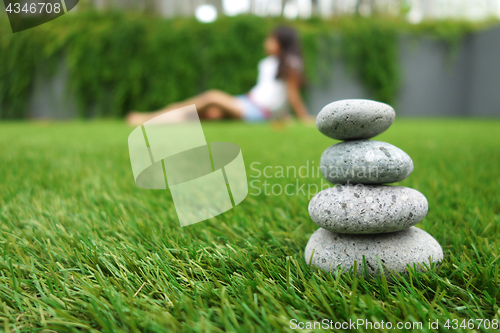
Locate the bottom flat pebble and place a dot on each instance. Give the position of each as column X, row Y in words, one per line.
column 395, row 250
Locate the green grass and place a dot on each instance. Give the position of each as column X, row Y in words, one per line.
column 83, row 249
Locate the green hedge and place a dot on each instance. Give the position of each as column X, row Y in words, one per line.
column 119, row 61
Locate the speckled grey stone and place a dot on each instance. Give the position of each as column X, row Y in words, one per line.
column 367, row 209
column 365, row 162
column 395, row 250
column 354, row 119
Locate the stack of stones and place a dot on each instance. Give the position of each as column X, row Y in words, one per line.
column 361, row 219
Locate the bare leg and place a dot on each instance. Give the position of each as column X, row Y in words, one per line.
column 226, row 103
column 212, row 112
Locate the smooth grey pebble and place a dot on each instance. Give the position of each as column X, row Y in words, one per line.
column 365, row 162
column 365, row 209
column 395, row 250
column 354, row 119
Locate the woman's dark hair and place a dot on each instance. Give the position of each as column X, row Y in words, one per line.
column 290, row 57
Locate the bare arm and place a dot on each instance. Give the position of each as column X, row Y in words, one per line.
column 293, row 92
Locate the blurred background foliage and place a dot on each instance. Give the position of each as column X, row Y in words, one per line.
column 120, row 61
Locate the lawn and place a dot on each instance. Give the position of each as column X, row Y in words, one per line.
column 83, row 249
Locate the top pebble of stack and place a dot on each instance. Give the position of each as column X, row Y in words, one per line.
column 354, row 119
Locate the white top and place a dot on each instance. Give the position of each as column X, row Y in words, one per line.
column 269, row 92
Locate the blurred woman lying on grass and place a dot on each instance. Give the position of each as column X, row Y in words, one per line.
column 279, row 81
